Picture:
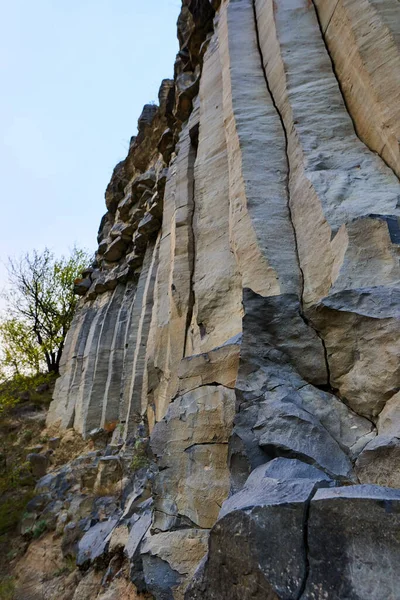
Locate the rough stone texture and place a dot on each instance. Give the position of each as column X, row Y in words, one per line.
column 247, row 555
column 192, row 445
column 379, row 462
column 340, row 197
column 94, row 542
column 262, row 232
column 181, row 552
column 220, row 365
column 353, row 543
column 238, row 330
column 363, row 38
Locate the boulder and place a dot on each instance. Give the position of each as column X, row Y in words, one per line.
column 353, row 544
column 115, row 250
column 95, row 542
column 170, row 560
column 257, row 547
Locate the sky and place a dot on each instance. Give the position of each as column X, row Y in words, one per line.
column 74, row 76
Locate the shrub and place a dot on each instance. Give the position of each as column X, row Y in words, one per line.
column 140, row 458
column 39, row 528
column 7, row 588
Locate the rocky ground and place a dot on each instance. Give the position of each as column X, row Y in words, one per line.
column 54, row 488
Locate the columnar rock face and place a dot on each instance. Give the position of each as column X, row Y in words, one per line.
column 242, row 313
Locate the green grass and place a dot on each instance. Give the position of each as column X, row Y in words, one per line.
column 17, row 434
column 7, row 588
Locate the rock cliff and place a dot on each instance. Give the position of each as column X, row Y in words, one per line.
column 237, row 339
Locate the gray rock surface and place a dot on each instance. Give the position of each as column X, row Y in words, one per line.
column 353, row 535
column 257, row 547
column 94, row 542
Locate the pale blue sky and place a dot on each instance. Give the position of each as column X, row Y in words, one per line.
column 74, row 76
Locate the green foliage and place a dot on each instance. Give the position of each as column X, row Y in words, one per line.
column 68, row 567
column 39, row 528
column 140, row 458
column 17, row 483
column 7, row 588
column 40, row 307
column 20, row 387
column 21, row 352
column 12, row 509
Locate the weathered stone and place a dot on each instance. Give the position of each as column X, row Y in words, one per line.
column 125, row 230
column 187, row 86
column 379, row 462
column 71, row 534
column 94, row 543
column 170, row 560
column 136, row 534
column 361, row 35
column 217, row 366
column 88, row 587
column 109, row 472
column 27, row 523
column 353, row 544
column 257, row 548
column 148, row 225
column 38, row 503
column 354, row 324
column 81, row 286
column 260, row 230
column 115, row 188
column 166, row 144
column 54, row 442
column 192, row 445
column 216, row 281
column 115, row 250
column 134, row 260
column 147, row 116
column 38, row 463
column 389, row 418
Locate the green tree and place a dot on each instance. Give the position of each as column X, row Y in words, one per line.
column 40, row 306
column 20, row 351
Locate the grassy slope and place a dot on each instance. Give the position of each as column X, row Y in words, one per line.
column 21, row 428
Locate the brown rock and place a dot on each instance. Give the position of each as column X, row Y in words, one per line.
column 115, row 250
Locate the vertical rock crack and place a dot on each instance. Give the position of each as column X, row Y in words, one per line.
column 301, row 311
column 341, row 88
column 286, row 146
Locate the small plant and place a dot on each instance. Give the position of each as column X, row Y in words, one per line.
column 140, row 458
column 7, row 588
column 39, row 529
column 68, row 567
column 26, row 436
